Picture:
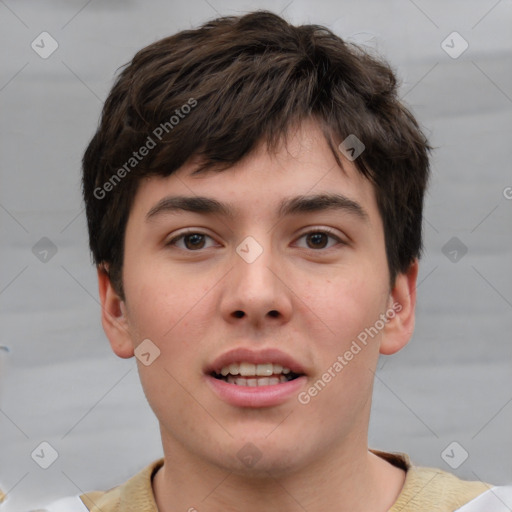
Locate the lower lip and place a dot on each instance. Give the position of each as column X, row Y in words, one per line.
column 257, row 396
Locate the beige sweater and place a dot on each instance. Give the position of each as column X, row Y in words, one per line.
column 425, row 490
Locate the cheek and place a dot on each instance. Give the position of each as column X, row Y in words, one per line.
column 169, row 311
column 163, row 303
column 350, row 306
column 345, row 306
column 346, row 347
column 175, row 312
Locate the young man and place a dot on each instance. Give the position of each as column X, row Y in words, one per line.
column 254, row 199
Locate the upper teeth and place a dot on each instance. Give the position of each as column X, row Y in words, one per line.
column 250, row 369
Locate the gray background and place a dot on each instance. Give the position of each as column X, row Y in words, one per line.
column 61, row 383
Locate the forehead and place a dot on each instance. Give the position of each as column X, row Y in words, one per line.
column 264, row 183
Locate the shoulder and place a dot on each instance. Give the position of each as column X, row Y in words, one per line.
column 69, row 504
column 495, row 499
column 434, row 489
column 135, row 495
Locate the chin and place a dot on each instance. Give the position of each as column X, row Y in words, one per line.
column 260, row 458
column 266, row 467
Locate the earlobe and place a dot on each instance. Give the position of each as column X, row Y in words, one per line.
column 401, row 313
column 113, row 316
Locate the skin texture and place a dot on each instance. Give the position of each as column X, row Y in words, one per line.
column 309, row 297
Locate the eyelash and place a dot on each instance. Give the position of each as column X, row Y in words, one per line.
column 327, row 231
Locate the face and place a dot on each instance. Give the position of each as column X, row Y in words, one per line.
column 267, row 305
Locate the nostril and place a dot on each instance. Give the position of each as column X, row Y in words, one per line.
column 273, row 313
column 239, row 314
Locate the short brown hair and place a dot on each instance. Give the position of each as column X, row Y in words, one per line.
column 244, row 80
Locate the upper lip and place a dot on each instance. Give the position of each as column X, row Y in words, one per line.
column 245, row 355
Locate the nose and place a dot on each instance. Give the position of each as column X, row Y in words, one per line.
column 256, row 291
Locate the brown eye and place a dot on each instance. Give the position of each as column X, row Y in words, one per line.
column 320, row 239
column 195, row 241
column 191, row 241
column 317, row 240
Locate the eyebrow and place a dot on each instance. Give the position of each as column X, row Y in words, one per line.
column 290, row 206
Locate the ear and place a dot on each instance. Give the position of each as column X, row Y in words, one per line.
column 401, row 312
column 113, row 316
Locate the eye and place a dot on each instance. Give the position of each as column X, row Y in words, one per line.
column 319, row 239
column 192, row 241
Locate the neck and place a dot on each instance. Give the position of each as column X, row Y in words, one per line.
column 351, row 479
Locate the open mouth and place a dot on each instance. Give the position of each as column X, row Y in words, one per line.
column 254, row 375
